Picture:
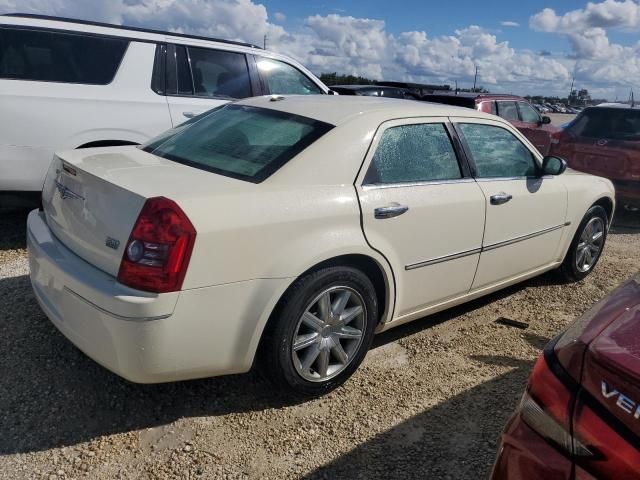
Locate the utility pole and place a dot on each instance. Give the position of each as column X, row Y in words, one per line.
column 264, row 42
column 571, row 89
column 475, row 79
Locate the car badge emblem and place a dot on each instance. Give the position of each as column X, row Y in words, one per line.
column 69, row 170
column 66, row 192
column 602, row 142
column 112, row 243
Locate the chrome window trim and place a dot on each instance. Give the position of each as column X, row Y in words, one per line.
column 371, row 186
column 507, row 179
column 484, row 248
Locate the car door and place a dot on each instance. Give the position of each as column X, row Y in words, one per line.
column 525, row 212
column 533, row 127
column 422, row 211
column 199, row 79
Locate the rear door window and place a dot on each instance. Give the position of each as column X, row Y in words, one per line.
column 607, row 123
column 414, row 153
column 217, row 73
column 282, row 78
column 49, row 56
column 508, row 110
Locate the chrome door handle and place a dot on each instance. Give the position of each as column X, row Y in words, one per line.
column 500, row 198
column 391, row 211
column 190, row 114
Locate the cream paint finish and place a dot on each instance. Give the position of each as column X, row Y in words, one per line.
column 538, row 204
column 444, row 218
column 255, row 240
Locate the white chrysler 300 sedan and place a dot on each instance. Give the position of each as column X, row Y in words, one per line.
column 282, row 232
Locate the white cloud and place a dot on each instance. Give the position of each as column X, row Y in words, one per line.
column 599, row 61
column 509, row 23
column 363, row 46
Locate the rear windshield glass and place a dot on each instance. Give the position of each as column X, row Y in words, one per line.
column 239, row 141
column 607, row 123
column 59, row 57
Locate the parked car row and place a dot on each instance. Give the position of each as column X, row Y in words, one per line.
column 556, row 108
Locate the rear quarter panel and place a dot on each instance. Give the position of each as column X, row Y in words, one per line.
column 305, row 213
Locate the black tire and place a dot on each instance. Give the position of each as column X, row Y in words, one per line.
column 276, row 349
column 569, row 268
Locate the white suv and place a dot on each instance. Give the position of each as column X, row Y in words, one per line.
column 67, row 84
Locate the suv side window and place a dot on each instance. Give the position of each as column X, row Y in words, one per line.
column 413, row 153
column 508, row 110
column 282, row 78
column 219, row 73
column 59, row 57
column 527, row 113
column 496, row 152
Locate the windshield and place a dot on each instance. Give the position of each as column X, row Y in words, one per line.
column 608, row 123
column 239, row 141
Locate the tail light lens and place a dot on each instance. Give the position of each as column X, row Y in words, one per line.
column 547, row 407
column 157, row 254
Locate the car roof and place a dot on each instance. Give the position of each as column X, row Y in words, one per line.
column 336, row 109
column 120, row 30
column 477, row 96
column 616, row 105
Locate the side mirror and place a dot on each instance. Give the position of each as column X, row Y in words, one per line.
column 545, row 120
column 553, row 165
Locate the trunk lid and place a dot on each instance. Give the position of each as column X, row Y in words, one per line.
column 92, row 198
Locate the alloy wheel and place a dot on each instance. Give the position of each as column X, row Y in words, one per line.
column 590, row 244
column 329, row 334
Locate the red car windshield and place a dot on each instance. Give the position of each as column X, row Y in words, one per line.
column 608, row 123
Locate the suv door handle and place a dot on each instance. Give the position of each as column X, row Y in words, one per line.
column 390, row 211
column 500, row 198
column 190, row 114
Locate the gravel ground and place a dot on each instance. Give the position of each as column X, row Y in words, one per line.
column 429, row 401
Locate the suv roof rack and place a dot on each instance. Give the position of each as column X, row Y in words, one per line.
column 122, row 27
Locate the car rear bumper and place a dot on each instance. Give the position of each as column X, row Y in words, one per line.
column 523, row 454
column 146, row 337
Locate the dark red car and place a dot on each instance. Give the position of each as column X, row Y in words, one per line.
column 580, row 415
column 517, row 110
column 605, row 141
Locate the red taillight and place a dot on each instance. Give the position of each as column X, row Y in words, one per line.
column 157, row 254
column 547, row 407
